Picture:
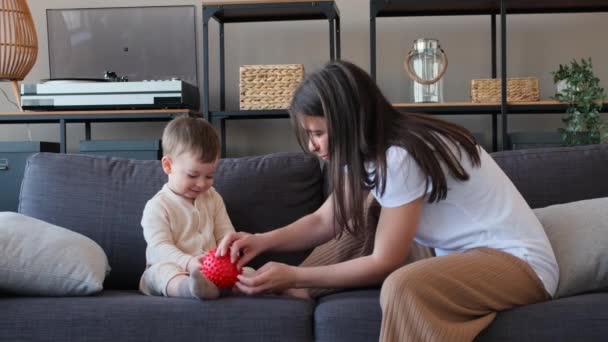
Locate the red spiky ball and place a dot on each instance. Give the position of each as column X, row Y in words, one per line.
column 219, row 270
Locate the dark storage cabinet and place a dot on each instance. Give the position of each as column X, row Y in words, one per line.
column 130, row 149
column 525, row 140
column 13, row 156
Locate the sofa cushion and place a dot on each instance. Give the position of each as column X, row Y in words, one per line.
column 355, row 316
column 103, row 198
column 99, row 197
column 578, row 318
column 130, row 316
column 557, row 175
column 267, row 192
column 348, row 316
column 578, row 232
column 41, row 259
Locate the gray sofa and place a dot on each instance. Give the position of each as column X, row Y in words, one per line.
column 103, row 199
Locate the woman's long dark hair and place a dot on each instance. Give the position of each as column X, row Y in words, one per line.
column 362, row 125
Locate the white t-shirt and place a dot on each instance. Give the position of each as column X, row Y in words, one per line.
column 485, row 211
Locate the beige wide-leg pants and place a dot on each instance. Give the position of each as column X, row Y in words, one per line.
column 455, row 297
column 446, row 298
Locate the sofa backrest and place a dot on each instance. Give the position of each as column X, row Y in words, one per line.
column 557, row 175
column 103, row 198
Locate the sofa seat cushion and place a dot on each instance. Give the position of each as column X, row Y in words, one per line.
column 356, row 316
column 578, row 318
column 348, row 316
column 129, row 316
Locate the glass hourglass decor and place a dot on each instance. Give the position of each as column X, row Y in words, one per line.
column 426, row 64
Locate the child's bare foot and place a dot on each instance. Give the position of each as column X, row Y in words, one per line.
column 297, row 293
column 201, row 287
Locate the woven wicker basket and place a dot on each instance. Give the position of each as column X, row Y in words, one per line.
column 268, row 86
column 518, row 90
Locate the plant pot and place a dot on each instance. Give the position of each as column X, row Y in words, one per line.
column 561, row 86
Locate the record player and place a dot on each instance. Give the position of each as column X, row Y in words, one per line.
column 111, row 92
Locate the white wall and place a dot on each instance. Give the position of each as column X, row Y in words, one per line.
column 537, row 45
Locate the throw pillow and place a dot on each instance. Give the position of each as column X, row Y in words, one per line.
column 578, row 232
column 41, row 259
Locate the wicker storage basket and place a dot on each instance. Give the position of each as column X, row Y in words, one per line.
column 518, row 90
column 268, row 86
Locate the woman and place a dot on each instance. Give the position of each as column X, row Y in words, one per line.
column 436, row 186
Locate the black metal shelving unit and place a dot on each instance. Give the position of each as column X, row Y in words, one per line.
column 492, row 8
column 92, row 116
column 259, row 11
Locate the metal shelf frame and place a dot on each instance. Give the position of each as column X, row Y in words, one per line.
column 258, row 11
column 493, row 8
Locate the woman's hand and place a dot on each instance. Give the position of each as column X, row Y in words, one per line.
column 243, row 247
column 272, row 277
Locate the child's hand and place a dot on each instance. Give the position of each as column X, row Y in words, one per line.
column 194, row 265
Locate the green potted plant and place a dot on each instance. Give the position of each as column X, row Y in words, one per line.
column 580, row 88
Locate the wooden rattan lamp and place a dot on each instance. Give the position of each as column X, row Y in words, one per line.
column 18, row 43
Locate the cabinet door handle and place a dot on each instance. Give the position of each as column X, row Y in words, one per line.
column 3, row 164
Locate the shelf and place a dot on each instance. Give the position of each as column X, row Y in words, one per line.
column 445, row 108
column 251, row 114
column 255, row 11
column 269, row 10
column 543, row 107
column 90, row 116
column 463, row 108
column 94, row 115
column 449, row 108
column 404, row 8
column 397, row 8
column 556, row 6
column 496, row 9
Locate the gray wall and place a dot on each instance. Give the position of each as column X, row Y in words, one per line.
column 537, row 45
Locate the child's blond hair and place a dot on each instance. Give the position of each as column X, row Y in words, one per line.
column 186, row 134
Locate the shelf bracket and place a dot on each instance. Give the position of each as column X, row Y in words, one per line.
column 374, row 8
column 210, row 12
column 329, row 12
